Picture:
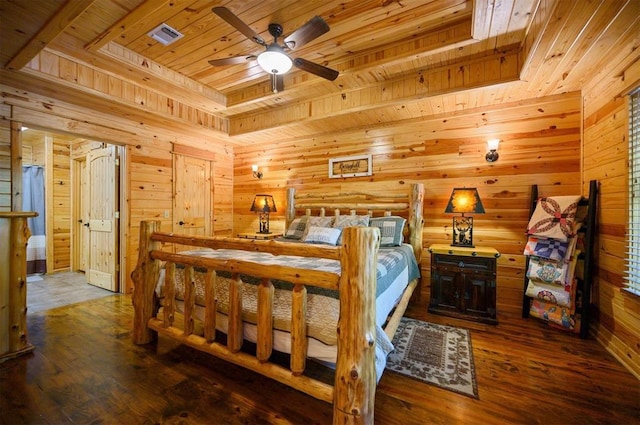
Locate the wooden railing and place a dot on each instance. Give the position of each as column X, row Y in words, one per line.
column 14, row 234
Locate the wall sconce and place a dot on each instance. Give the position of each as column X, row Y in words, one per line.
column 464, row 200
column 263, row 204
column 492, row 146
column 257, row 174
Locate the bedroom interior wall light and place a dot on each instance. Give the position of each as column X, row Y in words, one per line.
column 257, row 174
column 464, row 200
column 263, row 204
column 492, row 147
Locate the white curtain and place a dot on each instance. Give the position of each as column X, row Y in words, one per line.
column 33, row 197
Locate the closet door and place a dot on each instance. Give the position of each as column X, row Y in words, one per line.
column 102, row 197
column 192, row 196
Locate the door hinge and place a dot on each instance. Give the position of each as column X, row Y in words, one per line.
column 117, row 162
column 116, row 214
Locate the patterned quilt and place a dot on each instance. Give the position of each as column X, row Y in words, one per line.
column 323, row 306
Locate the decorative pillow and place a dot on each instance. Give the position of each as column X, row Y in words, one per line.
column 297, row 227
column 318, row 222
column 550, row 249
column 343, row 221
column 554, row 217
column 390, row 229
column 326, row 235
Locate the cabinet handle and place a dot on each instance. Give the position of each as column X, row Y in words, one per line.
column 181, row 223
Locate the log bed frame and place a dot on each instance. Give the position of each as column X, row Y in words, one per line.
column 353, row 392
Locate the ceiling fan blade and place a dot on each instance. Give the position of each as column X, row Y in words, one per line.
column 309, row 31
column 314, row 68
column 235, row 22
column 277, row 83
column 232, row 60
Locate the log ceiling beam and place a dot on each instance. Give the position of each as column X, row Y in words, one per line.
column 122, row 63
column 64, row 91
column 56, row 26
column 452, row 37
column 497, row 68
column 165, row 75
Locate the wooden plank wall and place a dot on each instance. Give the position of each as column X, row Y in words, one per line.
column 606, row 145
column 61, row 205
column 149, row 162
column 5, row 168
column 540, row 144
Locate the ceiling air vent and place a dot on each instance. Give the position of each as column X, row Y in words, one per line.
column 165, row 34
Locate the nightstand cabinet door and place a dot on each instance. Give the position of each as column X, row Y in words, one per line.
column 464, row 287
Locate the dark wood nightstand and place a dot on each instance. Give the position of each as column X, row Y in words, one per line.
column 262, row 236
column 463, row 282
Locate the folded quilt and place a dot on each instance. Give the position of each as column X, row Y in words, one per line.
column 548, row 272
column 554, row 314
column 554, row 217
column 549, row 249
column 554, row 294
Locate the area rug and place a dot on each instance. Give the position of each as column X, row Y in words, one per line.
column 436, row 354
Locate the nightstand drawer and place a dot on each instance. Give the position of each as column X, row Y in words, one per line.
column 467, row 264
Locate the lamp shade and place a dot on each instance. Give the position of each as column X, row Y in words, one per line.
column 274, row 60
column 263, row 204
column 465, row 200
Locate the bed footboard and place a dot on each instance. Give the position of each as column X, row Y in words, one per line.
column 353, row 392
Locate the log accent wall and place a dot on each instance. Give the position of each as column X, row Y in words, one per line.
column 606, row 147
column 540, row 144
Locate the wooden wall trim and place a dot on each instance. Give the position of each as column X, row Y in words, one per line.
column 194, row 152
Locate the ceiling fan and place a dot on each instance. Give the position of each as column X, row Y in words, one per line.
column 274, row 60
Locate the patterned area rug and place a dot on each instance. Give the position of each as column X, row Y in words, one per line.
column 436, row 354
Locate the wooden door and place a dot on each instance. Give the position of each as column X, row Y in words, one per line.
column 102, row 199
column 192, row 196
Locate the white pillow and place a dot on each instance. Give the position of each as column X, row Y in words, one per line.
column 326, row 235
column 318, row 221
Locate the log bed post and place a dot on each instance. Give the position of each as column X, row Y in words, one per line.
column 355, row 379
column 290, row 213
column 145, row 276
column 15, row 233
column 415, row 219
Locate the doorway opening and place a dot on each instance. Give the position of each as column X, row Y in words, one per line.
column 81, row 203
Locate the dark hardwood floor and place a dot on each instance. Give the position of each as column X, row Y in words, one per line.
column 86, row 370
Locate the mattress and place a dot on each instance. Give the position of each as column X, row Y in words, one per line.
column 396, row 268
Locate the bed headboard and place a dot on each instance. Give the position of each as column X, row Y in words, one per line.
column 408, row 204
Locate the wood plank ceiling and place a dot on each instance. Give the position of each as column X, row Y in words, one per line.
column 398, row 59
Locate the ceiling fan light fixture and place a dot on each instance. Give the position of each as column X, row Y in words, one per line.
column 274, row 60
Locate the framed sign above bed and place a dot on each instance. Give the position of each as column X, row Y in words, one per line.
column 351, row 166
